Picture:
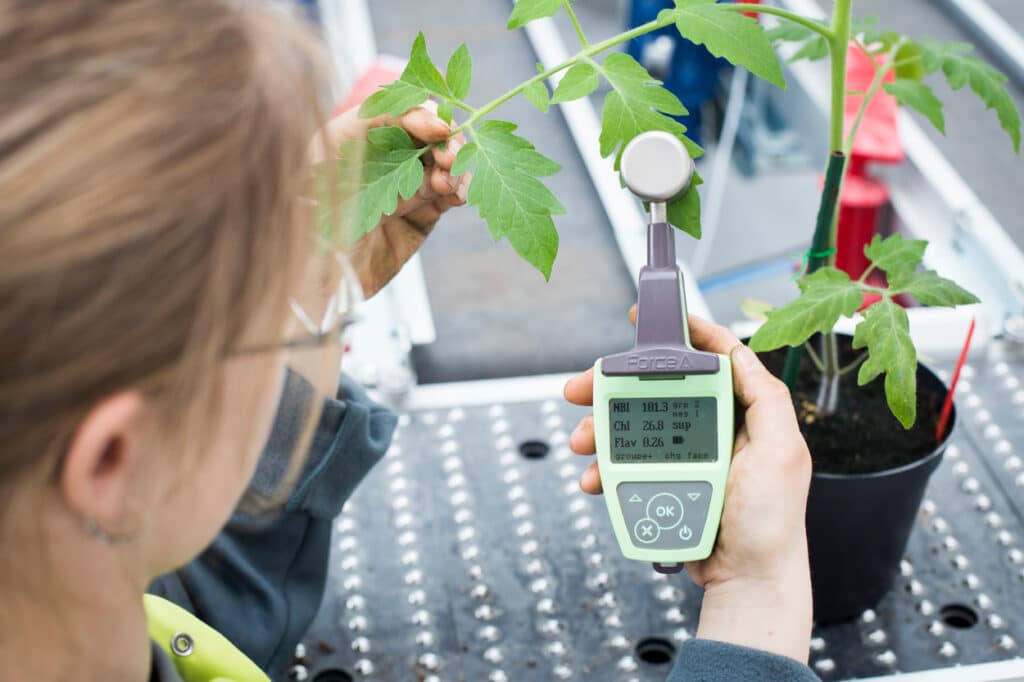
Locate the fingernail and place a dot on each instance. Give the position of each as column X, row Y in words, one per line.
column 463, row 191
column 745, row 358
column 454, row 146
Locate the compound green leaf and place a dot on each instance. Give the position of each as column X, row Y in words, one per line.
column 930, row 289
column 529, row 10
column 419, row 80
column 908, row 62
column 895, row 255
column 920, row 98
column 813, row 50
column 508, row 193
column 422, row 72
column 725, row 33
column 390, row 169
column 579, row 81
column 827, row 294
column 684, row 210
column 636, row 104
column 537, row 94
column 459, row 74
column 885, row 332
column 394, row 99
column 962, row 68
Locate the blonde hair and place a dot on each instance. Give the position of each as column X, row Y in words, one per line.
column 152, row 155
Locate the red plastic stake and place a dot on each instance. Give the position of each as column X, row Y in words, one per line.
column 947, row 407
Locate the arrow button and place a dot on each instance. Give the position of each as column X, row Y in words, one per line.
column 636, row 498
column 693, row 496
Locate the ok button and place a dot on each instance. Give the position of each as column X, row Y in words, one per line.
column 666, row 510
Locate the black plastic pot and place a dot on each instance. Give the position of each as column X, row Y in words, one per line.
column 858, row 526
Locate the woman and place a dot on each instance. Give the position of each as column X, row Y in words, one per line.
column 162, row 289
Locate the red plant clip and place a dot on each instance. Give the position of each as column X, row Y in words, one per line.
column 947, row 407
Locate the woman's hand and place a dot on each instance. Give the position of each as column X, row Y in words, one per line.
column 379, row 255
column 757, row 581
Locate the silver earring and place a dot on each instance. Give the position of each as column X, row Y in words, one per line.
column 97, row 533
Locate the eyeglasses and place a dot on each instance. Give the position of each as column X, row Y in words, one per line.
column 326, row 303
column 320, row 313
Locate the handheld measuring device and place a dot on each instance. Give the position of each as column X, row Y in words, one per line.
column 663, row 411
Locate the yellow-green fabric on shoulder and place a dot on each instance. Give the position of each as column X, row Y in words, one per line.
column 199, row 653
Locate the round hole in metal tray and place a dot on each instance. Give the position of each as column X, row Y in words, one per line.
column 534, row 449
column 959, row 616
column 655, row 650
column 333, row 675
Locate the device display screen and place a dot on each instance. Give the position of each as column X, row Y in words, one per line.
column 663, row 430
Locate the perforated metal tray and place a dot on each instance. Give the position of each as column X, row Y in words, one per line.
column 471, row 554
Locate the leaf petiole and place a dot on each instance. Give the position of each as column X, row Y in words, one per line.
column 815, row 358
column 818, row 28
column 854, row 365
column 576, row 23
column 666, row 18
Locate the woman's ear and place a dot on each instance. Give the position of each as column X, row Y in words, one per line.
column 101, row 462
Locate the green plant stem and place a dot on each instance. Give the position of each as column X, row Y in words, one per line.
column 462, row 105
column 665, row 19
column 854, row 365
column 876, row 85
column 813, row 355
column 576, row 23
column 866, row 273
column 839, row 43
column 821, row 30
column 819, row 245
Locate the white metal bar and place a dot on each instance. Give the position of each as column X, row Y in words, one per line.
column 484, row 392
column 628, row 221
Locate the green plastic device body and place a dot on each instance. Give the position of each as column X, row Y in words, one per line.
column 665, row 512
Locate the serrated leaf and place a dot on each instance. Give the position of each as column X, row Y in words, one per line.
column 459, row 74
column 421, row 70
column 537, row 94
column 930, row 289
column 445, row 110
column 813, row 50
column 789, row 32
column 885, row 332
column 895, row 255
column 579, row 81
column 684, row 211
column 418, row 81
column 528, row 10
column 390, row 168
column 961, row 68
column 739, row 39
column 908, row 62
column 827, row 294
column 636, row 104
column 508, row 194
column 394, row 99
column 920, row 98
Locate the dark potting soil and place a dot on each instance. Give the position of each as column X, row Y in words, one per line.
column 863, row 436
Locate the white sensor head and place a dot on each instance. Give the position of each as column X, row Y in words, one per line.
column 656, row 166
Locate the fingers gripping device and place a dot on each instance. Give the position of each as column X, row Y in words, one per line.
column 663, row 411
